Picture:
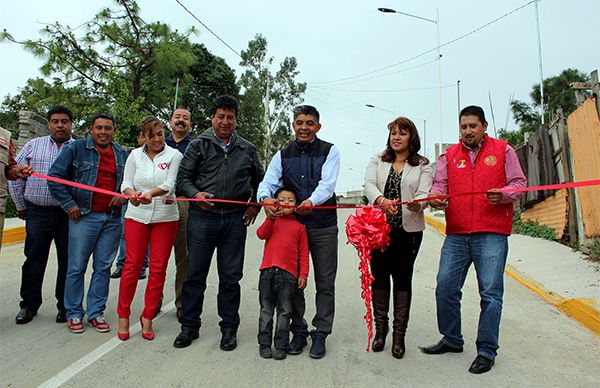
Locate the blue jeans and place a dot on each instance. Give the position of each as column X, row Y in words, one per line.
column 487, row 251
column 98, row 234
column 275, row 289
column 227, row 234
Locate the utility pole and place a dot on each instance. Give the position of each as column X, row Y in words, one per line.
column 267, row 118
column 176, row 93
column 539, row 40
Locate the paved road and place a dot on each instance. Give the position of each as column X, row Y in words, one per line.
column 539, row 345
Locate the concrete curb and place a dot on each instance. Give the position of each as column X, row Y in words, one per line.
column 584, row 311
column 13, row 235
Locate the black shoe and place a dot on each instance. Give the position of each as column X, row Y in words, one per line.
column 116, row 273
column 317, row 349
column 25, row 316
column 185, row 338
column 481, row 364
column 279, row 354
column 440, row 348
column 143, row 275
column 61, row 317
column 297, row 344
column 265, row 351
column 228, row 340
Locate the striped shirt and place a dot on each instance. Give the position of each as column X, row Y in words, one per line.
column 39, row 154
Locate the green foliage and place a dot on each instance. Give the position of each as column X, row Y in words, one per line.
column 211, row 77
column 273, row 95
column 595, row 250
column 532, row 228
column 11, row 209
column 513, row 137
column 116, row 63
column 557, row 93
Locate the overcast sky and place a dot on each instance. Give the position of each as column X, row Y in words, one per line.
column 337, row 39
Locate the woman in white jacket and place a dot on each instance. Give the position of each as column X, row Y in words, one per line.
column 151, row 218
column 397, row 174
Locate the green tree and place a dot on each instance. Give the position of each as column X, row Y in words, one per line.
column 118, row 58
column 277, row 92
column 557, row 93
column 211, row 77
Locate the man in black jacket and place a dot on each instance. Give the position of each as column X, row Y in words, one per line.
column 223, row 165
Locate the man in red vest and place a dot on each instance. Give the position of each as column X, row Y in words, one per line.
column 477, row 230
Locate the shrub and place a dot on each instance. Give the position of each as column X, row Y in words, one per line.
column 532, row 228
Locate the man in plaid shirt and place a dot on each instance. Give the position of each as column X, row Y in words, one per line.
column 44, row 219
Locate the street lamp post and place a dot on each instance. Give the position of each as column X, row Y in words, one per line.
column 439, row 55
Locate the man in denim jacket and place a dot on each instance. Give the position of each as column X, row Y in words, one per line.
column 94, row 218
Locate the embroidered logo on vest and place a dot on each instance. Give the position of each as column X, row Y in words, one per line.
column 462, row 163
column 490, row 160
column 163, row 166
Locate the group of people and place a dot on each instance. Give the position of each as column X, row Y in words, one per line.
column 157, row 177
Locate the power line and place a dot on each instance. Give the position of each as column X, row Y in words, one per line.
column 208, row 28
column 317, row 84
column 319, row 88
column 431, row 50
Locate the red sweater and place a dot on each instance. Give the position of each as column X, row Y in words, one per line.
column 286, row 245
column 472, row 214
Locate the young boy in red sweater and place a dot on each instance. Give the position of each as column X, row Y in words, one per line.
column 284, row 267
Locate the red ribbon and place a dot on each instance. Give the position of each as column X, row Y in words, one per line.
column 367, row 230
column 595, row 182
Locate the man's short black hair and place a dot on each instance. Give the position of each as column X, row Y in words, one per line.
column 105, row 116
column 473, row 110
column 224, row 102
column 286, row 188
column 59, row 109
column 306, row 110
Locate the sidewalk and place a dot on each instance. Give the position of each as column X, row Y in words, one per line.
column 554, row 272
column 14, row 231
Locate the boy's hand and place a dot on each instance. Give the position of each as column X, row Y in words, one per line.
column 301, row 283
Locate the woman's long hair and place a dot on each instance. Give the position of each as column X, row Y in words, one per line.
column 414, row 145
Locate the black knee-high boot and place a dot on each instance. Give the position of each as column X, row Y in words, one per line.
column 381, row 306
column 401, row 314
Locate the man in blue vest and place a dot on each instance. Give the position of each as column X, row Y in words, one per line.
column 310, row 166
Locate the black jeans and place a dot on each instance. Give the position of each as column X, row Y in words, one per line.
column 397, row 261
column 322, row 243
column 276, row 287
column 227, row 234
column 42, row 225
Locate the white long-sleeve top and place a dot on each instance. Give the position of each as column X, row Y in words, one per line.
column 143, row 174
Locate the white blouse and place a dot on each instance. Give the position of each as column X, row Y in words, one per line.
column 144, row 174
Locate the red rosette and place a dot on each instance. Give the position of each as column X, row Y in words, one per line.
column 367, row 230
